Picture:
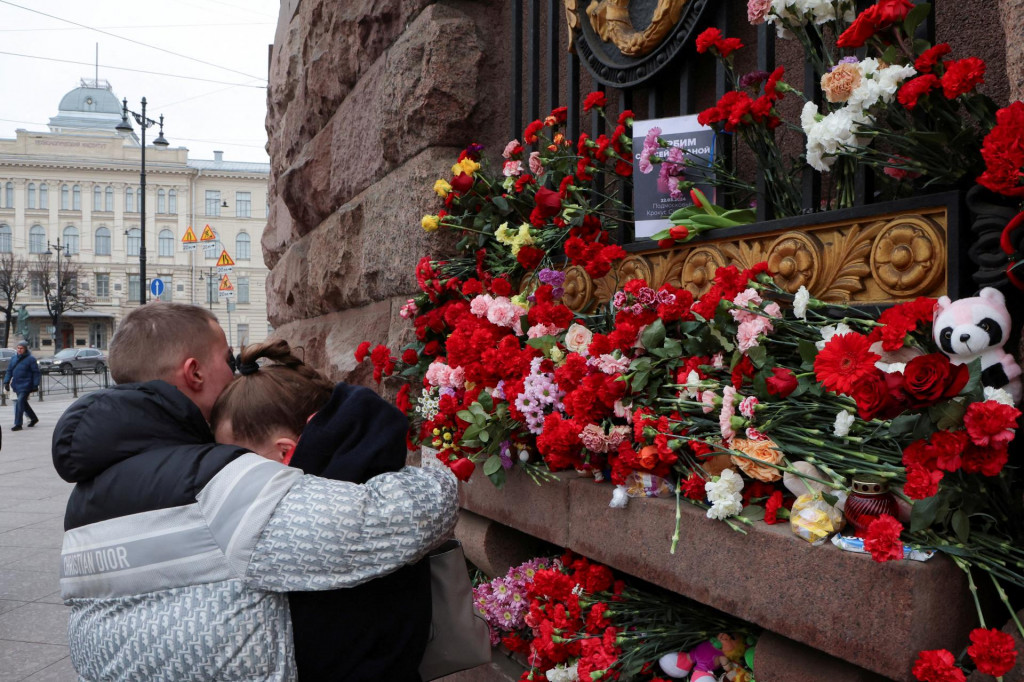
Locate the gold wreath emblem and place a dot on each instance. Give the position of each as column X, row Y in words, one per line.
column 610, row 19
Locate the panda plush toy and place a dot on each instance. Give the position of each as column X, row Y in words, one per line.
column 977, row 327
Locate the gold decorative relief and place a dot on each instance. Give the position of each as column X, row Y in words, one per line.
column 883, row 259
column 572, row 21
column 794, row 259
column 611, row 21
column 579, row 289
column 699, row 269
column 908, row 256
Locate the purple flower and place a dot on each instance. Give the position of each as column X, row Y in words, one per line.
column 555, row 278
column 846, row 60
column 753, row 79
column 619, row 299
column 506, row 455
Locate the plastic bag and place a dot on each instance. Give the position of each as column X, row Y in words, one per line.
column 814, row 519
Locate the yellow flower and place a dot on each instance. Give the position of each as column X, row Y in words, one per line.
column 430, row 222
column 442, row 188
column 503, row 236
column 467, row 166
column 521, row 301
column 524, row 236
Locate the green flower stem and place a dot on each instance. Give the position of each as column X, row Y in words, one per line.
column 675, row 535
column 1003, row 598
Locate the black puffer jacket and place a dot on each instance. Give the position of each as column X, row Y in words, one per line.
column 134, row 448
column 384, row 623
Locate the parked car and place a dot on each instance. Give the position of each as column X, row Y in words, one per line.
column 5, row 357
column 70, row 359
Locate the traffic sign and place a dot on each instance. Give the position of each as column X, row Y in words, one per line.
column 227, row 289
column 224, row 263
column 156, row 287
column 188, row 242
column 208, row 235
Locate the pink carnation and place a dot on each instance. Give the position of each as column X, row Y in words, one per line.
column 479, row 305
column 536, row 167
column 509, row 148
column 503, row 312
column 747, row 406
column 727, row 413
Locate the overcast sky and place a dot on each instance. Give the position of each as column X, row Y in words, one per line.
column 229, row 38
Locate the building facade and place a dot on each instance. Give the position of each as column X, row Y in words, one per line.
column 80, row 183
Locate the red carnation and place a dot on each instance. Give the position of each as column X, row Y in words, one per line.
column 874, row 19
column 500, row 286
column 771, row 507
column 529, row 257
column 782, row 382
column 989, row 423
column 402, row 401
column 362, row 351
column 921, row 482
column 883, row 539
column 937, row 666
column 594, row 99
column 985, row 461
column 930, row 57
column 625, row 116
column 1003, row 152
column 916, row 88
column 962, row 76
column 707, row 39
column 845, row 360
column 530, row 134
column 992, row 651
column 410, row 357
column 693, row 488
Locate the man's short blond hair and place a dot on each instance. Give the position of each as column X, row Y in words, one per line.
column 154, row 339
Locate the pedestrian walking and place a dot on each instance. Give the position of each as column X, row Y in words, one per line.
column 22, row 377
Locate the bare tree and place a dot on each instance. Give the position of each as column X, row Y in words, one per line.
column 59, row 279
column 13, row 281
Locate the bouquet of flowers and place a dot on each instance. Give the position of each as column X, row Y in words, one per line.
column 573, row 620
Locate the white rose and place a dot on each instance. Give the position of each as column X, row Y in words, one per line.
column 578, row 338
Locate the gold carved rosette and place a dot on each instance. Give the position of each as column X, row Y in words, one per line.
column 883, row 259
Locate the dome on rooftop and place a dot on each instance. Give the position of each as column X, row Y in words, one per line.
column 90, row 108
column 92, row 100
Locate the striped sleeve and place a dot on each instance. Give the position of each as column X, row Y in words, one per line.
column 329, row 534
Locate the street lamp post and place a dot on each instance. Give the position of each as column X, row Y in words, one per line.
column 126, row 127
column 58, row 303
column 209, row 279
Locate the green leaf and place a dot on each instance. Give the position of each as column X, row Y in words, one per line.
column 782, row 513
column 485, row 436
column 501, row 203
column 922, row 514
column 492, row 464
column 961, row 526
column 947, row 416
column 641, row 364
column 654, row 335
column 486, row 401
column 808, row 351
column 497, row 478
column 757, row 355
column 890, row 55
column 753, row 512
column 478, row 410
column 903, row 425
column 542, row 343
column 466, row 416
column 830, row 498
column 974, row 388
column 639, row 380
column 914, row 19
column 672, row 348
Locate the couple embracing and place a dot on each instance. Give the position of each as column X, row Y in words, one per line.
column 190, row 558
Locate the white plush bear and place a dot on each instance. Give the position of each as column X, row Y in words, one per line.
column 977, row 328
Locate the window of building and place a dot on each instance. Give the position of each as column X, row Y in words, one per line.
column 243, row 246
column 9, row 195
column 161, row 201
column 108, row 199
column 37, row 239
column 76, row 198
column 133, row 287
column 5, row 238
column 71, row 239
column 102, row 241
column 243, row 204
column 98, row 335
column 172, row 201
column 129, row 199
column 72, row 281
column 102, row 285
column 65, row 198
column 97, row 198
column 242, row 289
column 31, row 195
column 243, row 335
column 212, row 202
column 166, row 243
column 44, row 196
column 168, row 288
column 35, row 285
column 134, row 241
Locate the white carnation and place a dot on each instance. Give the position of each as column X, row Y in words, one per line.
column 998, row 395
column 800, row 301
column 723, row 509
column 844, row 420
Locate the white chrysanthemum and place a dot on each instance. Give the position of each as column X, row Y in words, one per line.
column 828, row 332
column 998, row 395
column 800, row 301
column 844, row 420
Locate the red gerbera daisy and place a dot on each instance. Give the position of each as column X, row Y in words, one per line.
column 845, row 360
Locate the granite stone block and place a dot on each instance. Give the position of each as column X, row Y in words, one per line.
column 539, row 510
column 493, row 547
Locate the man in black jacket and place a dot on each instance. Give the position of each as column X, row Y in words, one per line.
column 179, row 553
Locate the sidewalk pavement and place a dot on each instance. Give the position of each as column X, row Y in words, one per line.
column 33, row 619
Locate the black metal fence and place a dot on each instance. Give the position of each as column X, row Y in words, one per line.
column 72, row 384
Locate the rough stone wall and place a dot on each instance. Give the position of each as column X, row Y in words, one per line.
column 369, row 102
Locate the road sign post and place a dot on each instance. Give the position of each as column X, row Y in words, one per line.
column 156, row 287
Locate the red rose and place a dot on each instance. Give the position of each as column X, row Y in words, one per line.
column 937, row 666
column 921, row 482
column 462, row 468
column 594, row 99
column 883, row 539
column 548, row 202
column 916, row 88
column 871, row 395
column 874, row 19
column 927, row 377
column 462, row 183
column 962, row 76
column 782, row 382
column 992, row 651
